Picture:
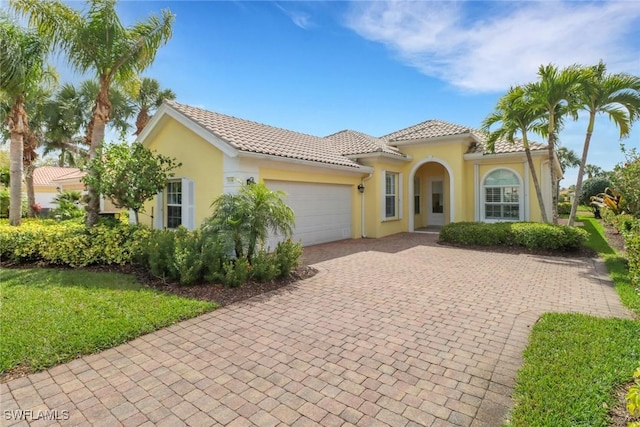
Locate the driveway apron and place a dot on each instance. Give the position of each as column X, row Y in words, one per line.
column 398, row 331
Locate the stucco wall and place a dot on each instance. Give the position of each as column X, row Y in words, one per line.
column 201, row 162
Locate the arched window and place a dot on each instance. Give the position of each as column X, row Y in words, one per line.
column 502, row 198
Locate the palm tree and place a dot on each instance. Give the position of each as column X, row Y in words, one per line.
column 516, row 115
column 553, row 95
column 69, row 113
column 22, row 55
column 99, row 42
column 149, row 98
column 567, row 158
column 614, row 95
column 591, row 171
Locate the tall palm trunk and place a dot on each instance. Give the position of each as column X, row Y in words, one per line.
column 142, row 120
column 17, row 123
column 98, row 123
column 583, row 163
column 536, row 182
column 29, row 155
column 552, row 169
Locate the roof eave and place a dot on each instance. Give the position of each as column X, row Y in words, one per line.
column 355, row 168
column 477, row 156
column 202, row 132
column 378, row 154
column 459, row 137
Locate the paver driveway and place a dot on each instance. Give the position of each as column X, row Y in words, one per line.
column 396, row 331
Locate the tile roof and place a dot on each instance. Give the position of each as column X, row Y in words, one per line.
column 349, row 142
column 256, row 137
column 425, row 130
column 502, row 146
column 76, row 174
column 45, row 175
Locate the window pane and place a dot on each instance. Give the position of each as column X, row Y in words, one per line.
column 502, row 177
column 511, row 211
column 174, row 216
column 493, row 211
column 492, row 195
column 510, row 194
column 174, row 193
column 390, row 206
column 416, row 204
column 390, row 182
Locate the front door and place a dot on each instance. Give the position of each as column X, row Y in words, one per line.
column 435, row 201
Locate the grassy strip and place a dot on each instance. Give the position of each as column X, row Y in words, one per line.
column 616, row 264
column 51, row 316
column 575, row 362
column 572, row 366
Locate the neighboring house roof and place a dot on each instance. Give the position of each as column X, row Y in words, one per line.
column 256, row 137
column 349, row 142
column 77, row 174
column 46, row 175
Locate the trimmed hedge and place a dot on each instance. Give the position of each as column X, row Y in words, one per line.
column 71, row 243
column 531, row 235
column 564, row 208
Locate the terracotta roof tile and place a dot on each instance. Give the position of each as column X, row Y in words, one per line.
column 425, row 130
column 502, row 146
column 350, row 142
column 256, row 137
column 45, row 175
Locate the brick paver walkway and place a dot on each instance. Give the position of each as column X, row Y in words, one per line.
column 396, row 331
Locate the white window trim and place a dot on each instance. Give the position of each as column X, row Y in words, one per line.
column 187, row 206
column 398, row 200
column 521, row 198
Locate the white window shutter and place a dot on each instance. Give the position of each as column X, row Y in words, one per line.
column 383, row 211
column 400, row 195
column 159, row 220
column 132, row 216
column 188, row 201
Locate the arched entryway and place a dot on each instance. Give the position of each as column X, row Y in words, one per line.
column 431, row 195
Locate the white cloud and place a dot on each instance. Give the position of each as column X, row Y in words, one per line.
column 490, row 50
column 300, row 19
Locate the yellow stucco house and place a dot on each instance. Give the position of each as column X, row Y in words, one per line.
column 345, row 185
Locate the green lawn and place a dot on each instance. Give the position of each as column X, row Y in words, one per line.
column 574, row 362
column 50, row 316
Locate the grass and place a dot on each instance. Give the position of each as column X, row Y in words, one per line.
column 574, row 363
column 50, row 316
column 572, row 366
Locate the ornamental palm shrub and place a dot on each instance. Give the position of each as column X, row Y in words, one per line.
column 592, row 187
column 68, row 205
column 245, row 219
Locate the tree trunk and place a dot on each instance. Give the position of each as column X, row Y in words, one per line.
column 97, row 126
column 29, row 155
column 536, row 183
column 16, row 122
column 583, row 163
column 142, row 120
column 552, row 170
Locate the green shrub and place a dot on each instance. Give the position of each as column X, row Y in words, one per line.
column 287, row 256
column 531, row 235
column 188, row 261
column 548, row 237
column 264, row 267
column 632, row 244
column 564, row 208
column 68, row 206
column 160, row 251
column 233, row 273
column 70, row 243
column 477, row 233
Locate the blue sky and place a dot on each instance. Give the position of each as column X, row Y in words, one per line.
column 376, row 67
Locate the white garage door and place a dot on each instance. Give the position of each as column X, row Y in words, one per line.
column 323, row 211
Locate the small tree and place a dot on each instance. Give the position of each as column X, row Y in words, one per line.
column 129, row 175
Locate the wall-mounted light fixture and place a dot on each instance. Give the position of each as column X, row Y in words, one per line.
column 361, row 188
column 251, row 181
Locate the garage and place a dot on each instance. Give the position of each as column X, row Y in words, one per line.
column 323, row 211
